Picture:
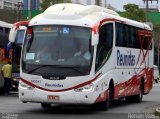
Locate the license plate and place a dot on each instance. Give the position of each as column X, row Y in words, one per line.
column 53, row 97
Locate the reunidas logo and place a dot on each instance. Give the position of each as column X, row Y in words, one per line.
column 125, row 59
column 53, row 85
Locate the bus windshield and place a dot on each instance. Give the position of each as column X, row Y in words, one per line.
column 63, row 46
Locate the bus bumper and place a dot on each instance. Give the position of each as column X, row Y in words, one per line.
column 66, row 97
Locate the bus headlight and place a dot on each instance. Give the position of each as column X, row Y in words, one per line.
column 25, row 86
column 14, row 79
column 86, row 88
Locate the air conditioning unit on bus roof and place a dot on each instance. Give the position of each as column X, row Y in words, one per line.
column 69, row 8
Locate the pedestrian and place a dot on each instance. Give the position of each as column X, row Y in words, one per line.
column 6, row 74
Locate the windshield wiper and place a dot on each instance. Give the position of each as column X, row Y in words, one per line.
column 73, row 68
column 57, row 66
column 29, row 72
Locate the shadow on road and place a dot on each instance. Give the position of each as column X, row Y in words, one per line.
column 33, row 108
column 79, row 109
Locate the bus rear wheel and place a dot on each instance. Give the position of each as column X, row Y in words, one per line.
column 1, row 91
column 45, row 105
column 136, row 98
column 156, row 80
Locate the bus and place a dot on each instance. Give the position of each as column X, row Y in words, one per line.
column 89, row 55
column 4, row 33
column 14, row 47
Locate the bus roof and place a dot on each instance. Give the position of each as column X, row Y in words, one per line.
column 73, row 13
column 5, row 24
column 68, row 8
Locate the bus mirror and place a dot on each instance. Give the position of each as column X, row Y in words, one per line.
column 94, row 39
column 15, row 27
column 12, row 35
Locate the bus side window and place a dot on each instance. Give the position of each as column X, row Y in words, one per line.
column 119, row 35
column 105, row 44
column 147, row 45
column 136, row 39
column 131, row 39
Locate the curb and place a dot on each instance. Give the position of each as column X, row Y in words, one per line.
column 157, row 111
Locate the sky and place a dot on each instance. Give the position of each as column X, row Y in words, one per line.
column 118, row 4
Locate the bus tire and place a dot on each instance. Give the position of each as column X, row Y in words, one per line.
column 1, row 91
column 102, row 106
column 106, row 104
column 45, row 105
column 137, row 98
column 156, row 80
column 129, row 99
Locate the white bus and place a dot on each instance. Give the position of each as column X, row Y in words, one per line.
column 4, row 33
column 75, row 54
column 14, row 48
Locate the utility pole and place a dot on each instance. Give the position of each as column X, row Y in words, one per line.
column 147, row 7
column 105, row 4
column 97, row 2
column 29, row 9
column 19, row 6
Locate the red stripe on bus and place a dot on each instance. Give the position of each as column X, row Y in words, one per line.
column 144, row 33
column 78, row 86
column 96, row 27
column 21, row 23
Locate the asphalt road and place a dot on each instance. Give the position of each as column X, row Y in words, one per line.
column 12, row 108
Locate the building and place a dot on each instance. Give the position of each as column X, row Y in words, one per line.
column 31, row 4
column 102, row 3
column 9, row 4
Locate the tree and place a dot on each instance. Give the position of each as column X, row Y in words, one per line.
column 9, row 16
column 156, row 31
column 133, row 12
column 46, row 3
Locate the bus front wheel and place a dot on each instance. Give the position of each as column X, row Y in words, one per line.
column 106, row 104
column 102, row 106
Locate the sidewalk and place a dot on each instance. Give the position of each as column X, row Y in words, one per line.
column 157, row 110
